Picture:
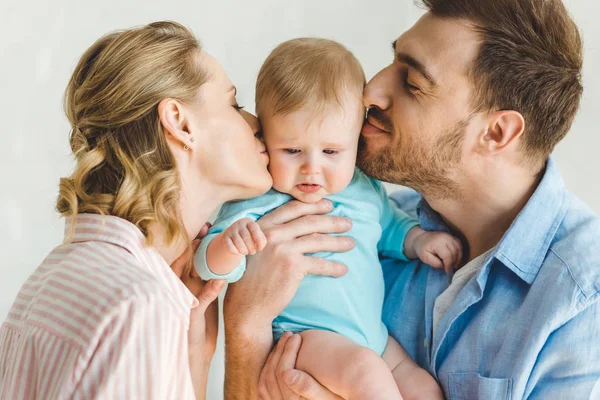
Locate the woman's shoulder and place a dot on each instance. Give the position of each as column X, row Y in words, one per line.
column 80, row 287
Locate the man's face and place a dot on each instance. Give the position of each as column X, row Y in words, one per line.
column 420, row 109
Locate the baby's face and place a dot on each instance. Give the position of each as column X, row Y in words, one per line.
column 312, row 157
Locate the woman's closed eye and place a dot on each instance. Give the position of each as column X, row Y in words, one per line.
column 330, row 152
column 292, row 151
column 238, row 107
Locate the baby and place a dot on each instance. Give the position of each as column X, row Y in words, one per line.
column 309, row 100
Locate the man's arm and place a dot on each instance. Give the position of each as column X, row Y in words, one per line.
column 271, row 280
column 568, row 366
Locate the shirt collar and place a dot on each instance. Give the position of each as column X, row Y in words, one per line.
column 122, row 233
column 524, row 246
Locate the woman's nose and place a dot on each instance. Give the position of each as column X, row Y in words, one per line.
column 252, row 121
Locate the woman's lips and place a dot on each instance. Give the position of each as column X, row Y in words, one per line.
column 308, row 188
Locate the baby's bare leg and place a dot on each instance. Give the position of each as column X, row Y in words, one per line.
column 352, row 371
column 413, row 381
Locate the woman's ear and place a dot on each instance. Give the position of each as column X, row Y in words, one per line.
column 173, row 119
column 505, row 128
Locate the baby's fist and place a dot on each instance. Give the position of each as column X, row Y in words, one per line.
column 245, row 237
column 439, row 249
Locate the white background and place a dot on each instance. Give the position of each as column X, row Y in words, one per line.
column 41, row 42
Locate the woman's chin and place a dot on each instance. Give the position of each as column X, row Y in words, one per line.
column 259, row 187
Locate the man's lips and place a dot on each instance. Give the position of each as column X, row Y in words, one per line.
column 371, row 127
column 308, row 187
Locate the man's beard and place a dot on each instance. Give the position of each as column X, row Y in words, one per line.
column 426, row 169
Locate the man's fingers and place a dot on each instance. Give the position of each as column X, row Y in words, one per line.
column 209, row 292
column 271, row 380
column 313, row 224
column 321, row 266
column 293, row 210
column 306, row 386
column 319, row 242
column 288, row 358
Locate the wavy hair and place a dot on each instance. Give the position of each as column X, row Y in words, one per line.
column 124, row 166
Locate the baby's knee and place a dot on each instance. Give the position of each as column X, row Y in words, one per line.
column 364, row 368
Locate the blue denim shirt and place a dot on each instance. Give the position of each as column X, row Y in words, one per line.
column 527, row 325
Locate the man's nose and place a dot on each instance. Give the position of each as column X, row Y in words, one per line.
column 377, row 92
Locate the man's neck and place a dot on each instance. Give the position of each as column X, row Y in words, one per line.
column 486, row 209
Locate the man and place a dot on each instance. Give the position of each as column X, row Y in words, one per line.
column 478, row 95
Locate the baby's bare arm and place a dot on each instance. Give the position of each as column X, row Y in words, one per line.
column 219, row 257
column 227, row 249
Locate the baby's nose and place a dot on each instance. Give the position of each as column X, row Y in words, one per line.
column 309, row 168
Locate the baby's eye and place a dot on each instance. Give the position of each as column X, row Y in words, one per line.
column 330, row 152
column 292, row 151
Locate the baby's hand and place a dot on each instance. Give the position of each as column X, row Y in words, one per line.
column 244, row 237
column 438, row 249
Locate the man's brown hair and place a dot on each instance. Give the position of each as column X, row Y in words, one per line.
column 530, row 61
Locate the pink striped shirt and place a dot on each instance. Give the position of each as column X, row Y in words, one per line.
column 102, row 317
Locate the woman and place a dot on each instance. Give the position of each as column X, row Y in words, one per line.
column 160, row 142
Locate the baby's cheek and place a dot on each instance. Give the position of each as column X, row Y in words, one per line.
column 280, row 174
column 343, row 176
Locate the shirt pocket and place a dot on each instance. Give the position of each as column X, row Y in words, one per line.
column 472, row 386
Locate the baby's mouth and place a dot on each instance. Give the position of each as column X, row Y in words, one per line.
column 308, row 187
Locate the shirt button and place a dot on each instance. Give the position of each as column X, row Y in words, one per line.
column 425, row 343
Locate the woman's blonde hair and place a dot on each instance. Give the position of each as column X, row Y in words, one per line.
column 123, row 164
column 306, row 71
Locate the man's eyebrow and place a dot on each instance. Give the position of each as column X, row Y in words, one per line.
column 413, row 63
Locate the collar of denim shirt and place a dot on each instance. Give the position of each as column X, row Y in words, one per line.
column 525, row 244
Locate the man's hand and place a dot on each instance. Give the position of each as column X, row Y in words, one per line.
column 274, row 274
column 280, row 381
column 271, row 280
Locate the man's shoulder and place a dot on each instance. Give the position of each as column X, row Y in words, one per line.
column 407, row 200
column 576, row 246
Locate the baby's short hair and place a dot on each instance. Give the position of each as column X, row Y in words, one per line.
column 306, row 71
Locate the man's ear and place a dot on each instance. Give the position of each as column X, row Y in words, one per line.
column 173, row 119
column 505, row 128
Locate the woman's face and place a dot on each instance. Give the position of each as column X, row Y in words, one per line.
column 226, row 151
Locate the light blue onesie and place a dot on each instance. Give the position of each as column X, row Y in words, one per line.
column 350, row 305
